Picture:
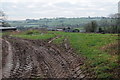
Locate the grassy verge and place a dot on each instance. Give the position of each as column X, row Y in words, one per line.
column 100, row 62
column 0, row 33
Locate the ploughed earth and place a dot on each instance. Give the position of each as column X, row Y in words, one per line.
column 24, row 58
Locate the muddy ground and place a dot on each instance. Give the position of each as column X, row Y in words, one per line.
column 23, row 58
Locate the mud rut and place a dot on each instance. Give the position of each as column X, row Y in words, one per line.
column 39, row 59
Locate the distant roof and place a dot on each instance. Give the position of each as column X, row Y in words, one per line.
column 7, row 27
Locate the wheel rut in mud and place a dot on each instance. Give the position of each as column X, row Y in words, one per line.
column 39, row 59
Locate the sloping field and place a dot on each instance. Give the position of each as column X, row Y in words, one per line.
column 34, row 54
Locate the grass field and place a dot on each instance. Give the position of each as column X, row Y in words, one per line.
column 99, row 63
column 40, row 36
column 88, row 45
column 34, row 34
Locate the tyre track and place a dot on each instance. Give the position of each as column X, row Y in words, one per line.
column 9, row 62
column 35, row 58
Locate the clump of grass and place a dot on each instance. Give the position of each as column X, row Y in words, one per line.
column 32, row 32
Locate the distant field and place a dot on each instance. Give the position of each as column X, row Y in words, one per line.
column 89, row 45
column 61, row 22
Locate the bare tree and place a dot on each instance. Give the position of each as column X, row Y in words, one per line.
column 3, row 16
column 3, row 19
column 91, row 27
column 116, row 17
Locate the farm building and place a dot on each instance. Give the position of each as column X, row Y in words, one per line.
column 60, row 29
column 8, row 28
column 82, row 30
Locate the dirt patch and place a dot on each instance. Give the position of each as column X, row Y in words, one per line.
column 40, row 59
column 111, row 48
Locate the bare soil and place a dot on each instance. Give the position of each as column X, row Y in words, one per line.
column 39, row 59
column 112, row 48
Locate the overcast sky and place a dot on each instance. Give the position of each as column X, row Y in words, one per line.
column 22, row 9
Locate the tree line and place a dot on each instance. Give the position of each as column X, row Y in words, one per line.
column 105, row 26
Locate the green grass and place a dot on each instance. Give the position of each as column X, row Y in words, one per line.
column 89, row 46
column 0, row 33
column 40, row 36
column 59, row 40
column 34, row 34
column 5, row 33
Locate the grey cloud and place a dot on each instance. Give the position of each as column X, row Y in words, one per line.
column 56, row 9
